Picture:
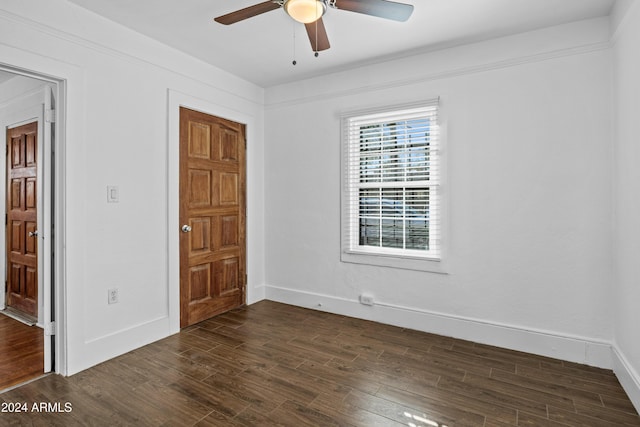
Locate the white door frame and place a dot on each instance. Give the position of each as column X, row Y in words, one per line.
column 50, row 173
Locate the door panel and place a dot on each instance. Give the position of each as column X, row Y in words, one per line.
column 212, row 205
column 228, row 231
column 229, row 189
column 22, row 242
column 227, row 278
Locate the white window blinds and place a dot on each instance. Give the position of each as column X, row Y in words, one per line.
column 391, row 177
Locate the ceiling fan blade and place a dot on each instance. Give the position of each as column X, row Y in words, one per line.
column 380, row 8
column 247, row 12
column 322, row 39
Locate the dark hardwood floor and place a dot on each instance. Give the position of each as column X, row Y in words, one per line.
column 272, row 364
column 21, row 352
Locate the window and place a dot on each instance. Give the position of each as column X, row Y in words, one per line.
column 391, row 184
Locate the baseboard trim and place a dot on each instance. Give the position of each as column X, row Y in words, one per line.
column 627, row 376
column 92, row 352
column 256, row 294
column 545, row 343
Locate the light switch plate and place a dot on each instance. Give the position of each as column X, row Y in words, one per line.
column 113, row 194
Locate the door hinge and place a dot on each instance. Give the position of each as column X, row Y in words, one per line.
column 50, row 328
column 50, row 116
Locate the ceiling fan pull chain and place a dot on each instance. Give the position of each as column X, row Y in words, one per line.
column 316, row 46
column 294, row 44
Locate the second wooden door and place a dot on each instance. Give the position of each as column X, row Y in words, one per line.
column 21, row 219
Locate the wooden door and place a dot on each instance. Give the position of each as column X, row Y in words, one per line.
column 21, row 219
column 212, row 216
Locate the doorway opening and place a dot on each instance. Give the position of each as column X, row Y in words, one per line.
column 28, row 310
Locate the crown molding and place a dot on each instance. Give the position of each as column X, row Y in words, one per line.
column 454, row 72
column 624, row 24
column 124, row 56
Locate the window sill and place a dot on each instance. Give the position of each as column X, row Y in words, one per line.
column 395, row 261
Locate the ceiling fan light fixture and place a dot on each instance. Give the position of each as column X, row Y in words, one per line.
column 305, row 11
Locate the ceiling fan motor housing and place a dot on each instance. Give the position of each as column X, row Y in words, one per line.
column 305, row 11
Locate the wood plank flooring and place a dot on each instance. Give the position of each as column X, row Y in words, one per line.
column 21, row 352
column 272, row 364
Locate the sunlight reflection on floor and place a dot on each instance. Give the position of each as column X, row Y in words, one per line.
column 421, row 419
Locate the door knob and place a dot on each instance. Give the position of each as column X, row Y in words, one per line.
column 186, row 228
column 33, row 233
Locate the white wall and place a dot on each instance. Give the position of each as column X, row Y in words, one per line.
column 529, row 155
column 117, row 133
column 627, row 207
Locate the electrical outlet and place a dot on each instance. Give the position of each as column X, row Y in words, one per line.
column 366, row 299
column 113, row 295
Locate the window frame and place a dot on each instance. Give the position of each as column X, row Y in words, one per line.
column 350, row 228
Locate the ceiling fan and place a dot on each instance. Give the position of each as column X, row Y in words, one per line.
column 310, row 12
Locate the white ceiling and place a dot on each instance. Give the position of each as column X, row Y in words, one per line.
column 261, row 49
